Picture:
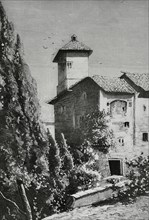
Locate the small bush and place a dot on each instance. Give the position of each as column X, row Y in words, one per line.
column 82, row 178
column 139, row 180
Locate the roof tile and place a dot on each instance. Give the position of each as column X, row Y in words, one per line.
column 73, row 45
column 108, row 84
column 113, row 84
column 140, row 79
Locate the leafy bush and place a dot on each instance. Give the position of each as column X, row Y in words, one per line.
column 96, row 132
column 93, row 134
column 139, row 180
column 79, row 169
column 82, row 179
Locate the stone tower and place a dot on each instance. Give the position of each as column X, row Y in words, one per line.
column 72, row 61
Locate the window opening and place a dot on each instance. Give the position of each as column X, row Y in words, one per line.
column 69, row 64
column 144, row 108
column 115, row 167
column 118, row 107
column 145, row 137
column 126, row 124
column 62, row 109
column 121, row 141
column 84, row 95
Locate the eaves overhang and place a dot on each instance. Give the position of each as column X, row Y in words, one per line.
column 68, row 91
column 62, row 51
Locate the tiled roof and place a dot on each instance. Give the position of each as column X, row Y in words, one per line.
column 73, row 45
column 139, row 79
column 113, row 84
column 108, row 84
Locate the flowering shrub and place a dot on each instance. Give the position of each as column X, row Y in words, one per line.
column 83, row 179
column 96, row 132
column 93, row 136
column 139, row 180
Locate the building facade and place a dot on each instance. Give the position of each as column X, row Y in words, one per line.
column 125, row 98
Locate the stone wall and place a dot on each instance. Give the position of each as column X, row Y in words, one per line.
column 70, row 108
column 137, row 115
column 72, row 67
column 141, row 125
column 128, row 118
column 121, row 120
column 121, row 117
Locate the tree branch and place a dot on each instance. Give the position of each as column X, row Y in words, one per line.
column 13, row 203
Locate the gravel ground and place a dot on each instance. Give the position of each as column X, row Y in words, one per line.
column 136, row 211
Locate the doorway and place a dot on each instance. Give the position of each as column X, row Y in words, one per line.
column 115, row 167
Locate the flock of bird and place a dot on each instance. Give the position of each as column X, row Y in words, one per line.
column 49, row 38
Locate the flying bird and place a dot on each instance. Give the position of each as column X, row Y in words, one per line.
column 45, row 47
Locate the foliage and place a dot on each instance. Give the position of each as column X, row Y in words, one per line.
column 93, row 133
column 61, row 162
column 96, row 132
column 66, row 157
column 82, row 179
column 25, row 148
column 28, row 154
column 54, row 157
column 78, row 179
column 139, row 180
column 78, row 169
column 91, row 141
column 79, row 161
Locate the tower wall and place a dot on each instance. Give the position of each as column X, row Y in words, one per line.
column 72, row 68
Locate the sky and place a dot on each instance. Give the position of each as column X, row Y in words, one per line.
column 116, row 30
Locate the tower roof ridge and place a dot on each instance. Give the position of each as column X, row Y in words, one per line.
column 73, row 45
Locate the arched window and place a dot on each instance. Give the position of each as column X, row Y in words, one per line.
column 121, row 141
column 144, row 108
column 118, row 107
column 62, row 109
column 84, row 96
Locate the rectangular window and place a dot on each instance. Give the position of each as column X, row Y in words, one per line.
column 126, row 124
column 145, row 137
column 144, row 108
column 121, row 141
column 69, row 64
